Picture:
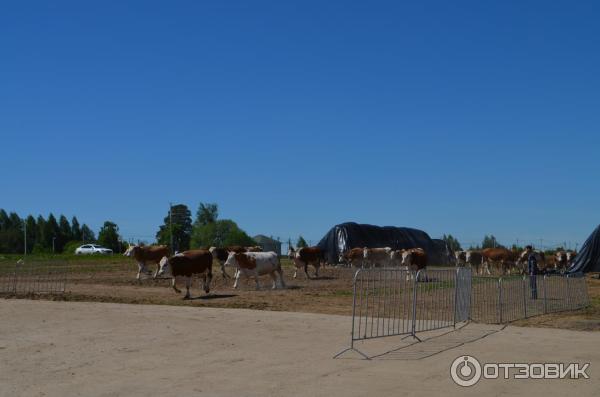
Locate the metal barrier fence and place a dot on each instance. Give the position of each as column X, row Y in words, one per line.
column 395, row 301
column 505, row 299
column 30, row 277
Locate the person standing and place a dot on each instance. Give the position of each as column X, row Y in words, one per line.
column 533, row 271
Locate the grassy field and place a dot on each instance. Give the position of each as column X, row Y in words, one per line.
column 112, row 279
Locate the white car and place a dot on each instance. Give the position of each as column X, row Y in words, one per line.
column 88, row 249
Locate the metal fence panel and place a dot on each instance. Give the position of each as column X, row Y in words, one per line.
column 33, row 277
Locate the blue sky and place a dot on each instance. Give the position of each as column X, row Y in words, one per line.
column 453, row 117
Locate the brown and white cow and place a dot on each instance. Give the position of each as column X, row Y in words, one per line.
column 220, row 254
column 571, row 255
column 254, row 264
column 187, row 264
column 524, row 257
column 377, row 256
column 305, row 256
column 414, row 259
column 145, row 255
column 474, row 259
column 461, row 258
column 500, row 258
column 353, row 257
column 561, row 262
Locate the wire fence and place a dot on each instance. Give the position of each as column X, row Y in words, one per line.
column 395, row 301
column 26, row 277
column 506, row 299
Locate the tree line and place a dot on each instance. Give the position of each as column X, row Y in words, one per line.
column 43, row 234
column 204, row 231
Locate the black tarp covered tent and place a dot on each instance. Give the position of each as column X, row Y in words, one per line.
column 345, row 236
column 588, row 258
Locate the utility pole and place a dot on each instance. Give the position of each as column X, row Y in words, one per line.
column 24, row 238
column 171, row 226
column 53, row 238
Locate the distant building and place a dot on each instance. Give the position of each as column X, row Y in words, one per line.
column 268, row 244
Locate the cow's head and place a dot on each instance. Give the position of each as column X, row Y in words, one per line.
column 231, row 260
column 165, row 266
column 131, row 250
column 292, row 252
column 212, row 249
column 406, row 257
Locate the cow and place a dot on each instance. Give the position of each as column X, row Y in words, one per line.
column 561, row 261
column 145, row 255
column 187, row 264
column 377, row 256
column 353, row 257
column 396, row 258
column 414, row 259
column 220, row 254
column 475, row 260
column 461, row 258
column 236, row 248
column 571, row 255
column 502, row 258
column 524, row 257
column 308, row 256
column 254, row 264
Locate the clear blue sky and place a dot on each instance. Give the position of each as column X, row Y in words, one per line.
column 454, row 117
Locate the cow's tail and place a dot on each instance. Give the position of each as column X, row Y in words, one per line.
column 279, row 264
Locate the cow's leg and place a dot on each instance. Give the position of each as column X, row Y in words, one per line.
column 281, row 277
column 157, row 269
column 295, row 270
column 140, row 267
column 223, row 272
column 207, row 278
column 272, row 274
column 237, row 278
column 317, row 270
column 174, row 286
column 256, row 279
column 306, row 270
column 188, row 284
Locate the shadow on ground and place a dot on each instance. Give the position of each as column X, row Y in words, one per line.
column 429, row 346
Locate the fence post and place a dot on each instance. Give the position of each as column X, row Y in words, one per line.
column 414, row 305
column 525, row 296
column 353, row 308
column 568, row 294
column 14, row 281
column 545, row 295
column 456, row 293
column 500, row 299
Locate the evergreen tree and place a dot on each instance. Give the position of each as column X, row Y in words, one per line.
column 75, row 230
column 301, row 243
column 453, row 243
column 51, row 233
column 64, row 233
column 181, row 219
column 109, row 236
column 87, row 234
column 31, row 233
column 207, row 213
column 40, row 235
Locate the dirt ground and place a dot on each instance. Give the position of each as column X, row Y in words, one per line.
column 102, row 349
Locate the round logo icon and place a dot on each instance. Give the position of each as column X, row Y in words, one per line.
column 465, row 371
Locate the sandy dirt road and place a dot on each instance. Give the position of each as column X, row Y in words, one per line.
column 104, row 349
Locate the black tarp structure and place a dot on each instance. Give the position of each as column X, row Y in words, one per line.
column 588, row 258
column 345, row 236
